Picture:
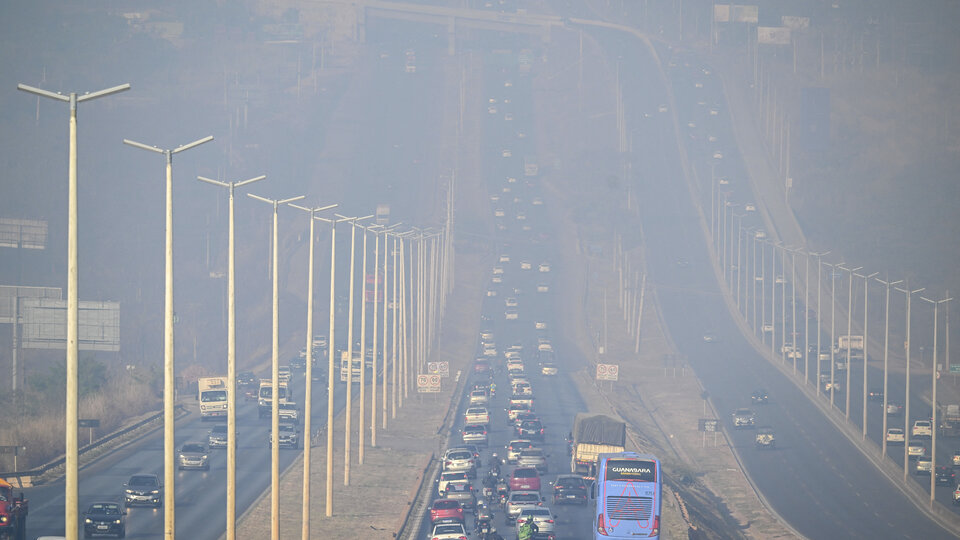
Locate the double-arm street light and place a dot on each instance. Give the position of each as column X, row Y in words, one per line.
column 231, row 359
column 846, row 408
column 906, row 400
column 819, row 257
column 350, row 324
column 308, row 393
column 275, row 374
column 71, row 453
column 933, row 381
column 886, row 359
column 866, row 342
column 169, row 395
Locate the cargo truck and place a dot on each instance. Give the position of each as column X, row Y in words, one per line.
column 949, row 416
column 592, row 435
column 13, row 513
column 212, row 394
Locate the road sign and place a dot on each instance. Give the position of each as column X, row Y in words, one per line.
column 428, row 383
column 433, row 367
column 709, row 425
column 608, row 372
column 15, row 450
column 954, row 368
column 88, row 423
column 444, row 369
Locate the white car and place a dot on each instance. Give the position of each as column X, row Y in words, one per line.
column 511, row 180
column 480, row 397
column 476, row 415
column 498, row 212
column 525, row 265
column 510, row 301
column 750, row 207
column 544, row 267
column 506, row 152
column 540, row 325
column 537, row 201
column 504, row 258
column 511, row 314
column 520, row 501
column 497, row 270
column 448, row 531
column 922, row 428
column 451, row 477
column 543, row 287
column 717, row 154
column 662, row 108
column 895, row 436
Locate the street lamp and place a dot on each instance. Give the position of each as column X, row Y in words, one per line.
column 906, row 401
column 833, row 328
column 851, row 271
column 275, row 374
column 886, row 357
column 71, row 453
column 350, row 324
column 933, row 381
column 169, row 445
column 866, row 357
column 308, row 393
column 819, row 274
column 231, row 360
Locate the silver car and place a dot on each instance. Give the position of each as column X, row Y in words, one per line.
column 193, row 455
column 474, row 433
column 521, row 500
column 217, row 438
column 460, row 460
column 542, row 518
column 533, row 457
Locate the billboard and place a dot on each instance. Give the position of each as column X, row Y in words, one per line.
column 45, row 324
column 23, row 233
column 735, row 13
column 773, row 35
column 794, row 22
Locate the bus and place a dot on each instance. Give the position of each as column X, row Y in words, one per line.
column 627, row 494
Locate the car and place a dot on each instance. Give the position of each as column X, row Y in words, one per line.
column 549, row 369
column 916, row 449
column 511, row 314
column 895, row 436
column 750, row 207
column 533, row 457
column 479, row 397
column 450, row 477
column 924, row 465
column 474, row 433
column 498, row 270
column 518, row 500
column 476, row 415
column 661, row 108
column 759, row 397
column 875, row 394
column 289, row 412
column 287, row 436
column 448, row 531
column 506, row 152
column 570, row 488
column 709, row 337
column 543, row 518
column 284, row 373
column 544, row 267
column 531, row 429
column 515, row 447
column 245, row 378
column 143, row 489
column 105, row 517
column 543, row 287
column 510, row 302
column 526, row 265
column 298, row 363
column 956, row 458
column 446, row 511
column 472, row 448
column 193, row 455
column 489, row 349
column 922, row 428
column 894, row 408
column 217, row 436
column 743, row 418
column 515, row 409
column 956, row 495
column 463, row 493
column 460, row 460
column 521, row 387
column 945, row 476
column 524, row 479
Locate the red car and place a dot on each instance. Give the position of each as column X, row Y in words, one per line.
column 482, row 365
column 445, row 511
column 525, row 479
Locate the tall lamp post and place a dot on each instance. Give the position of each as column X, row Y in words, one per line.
column 846, row 397
column 350, row 324
column 169, row 444
column 231, row 359
column 886, row 359
column 308, row 392
column 819, row 345
column 906, row 400
column 71, row 462
column 275, row 375
column 933, row 381
column 866, row 357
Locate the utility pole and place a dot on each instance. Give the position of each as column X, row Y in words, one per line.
column 886, row 364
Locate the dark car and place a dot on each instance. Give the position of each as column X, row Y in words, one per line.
column 759, row 397
column 104, row 518
column 570, row 488
column 875, row 394
column 945, row 476
column 246, row 378
column 143, row 489
column 530, row 429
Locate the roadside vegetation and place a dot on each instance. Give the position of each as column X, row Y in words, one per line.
column 109, row 395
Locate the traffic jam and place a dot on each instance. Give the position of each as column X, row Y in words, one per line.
column 504, row 471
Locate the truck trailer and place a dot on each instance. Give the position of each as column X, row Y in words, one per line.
column 592, row 435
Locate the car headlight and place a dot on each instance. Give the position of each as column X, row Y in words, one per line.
column 88, row 520
column 155, row 492
column 204, row 456
column 129, row 492
column 116, row 521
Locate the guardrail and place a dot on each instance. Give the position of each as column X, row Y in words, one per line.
column 28, row 478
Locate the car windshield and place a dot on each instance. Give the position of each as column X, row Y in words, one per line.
column 109, row 509
column 570, row 482
column 213, row 396
column 143, row 481
column 452, row 528
column 526, row 497
column 534, row 453
column 219, row 429
column 195, row 448
column 461, row 455
column 539, row 512
column 453, row 476
column 444, row 504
